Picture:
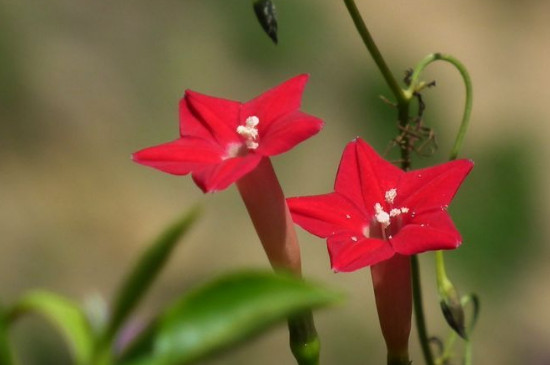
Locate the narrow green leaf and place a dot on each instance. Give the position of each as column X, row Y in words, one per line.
column 142, row 345
column 145, row 271
column 62, row 313
column 229, row 310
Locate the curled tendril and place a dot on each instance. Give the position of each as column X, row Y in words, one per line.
column 415, row 86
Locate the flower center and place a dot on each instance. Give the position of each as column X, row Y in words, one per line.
column 249, row 132
column 384, row 223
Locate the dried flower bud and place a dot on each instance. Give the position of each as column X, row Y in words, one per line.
column 265, row 12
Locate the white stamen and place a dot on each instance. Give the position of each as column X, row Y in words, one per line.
column 250, row 132
column 390, row 195
column 251, row 145
column 398, row 211
column 381, row 216
column 395, row 212
column 252, row 121
column 232, row 150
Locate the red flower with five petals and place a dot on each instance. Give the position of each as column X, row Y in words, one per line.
column 222, row 140
column 378, row 210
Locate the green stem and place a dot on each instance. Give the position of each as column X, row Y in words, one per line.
column 403, row 98
column 415, row 84
column 6, row 355
column 441, row 275
column 447, row 349
column 419, row 312
column 375, row 53
column 468, row 353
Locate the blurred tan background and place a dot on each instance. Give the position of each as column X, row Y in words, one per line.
column 84, row 84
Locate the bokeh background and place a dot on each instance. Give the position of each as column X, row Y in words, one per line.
column 83, row 84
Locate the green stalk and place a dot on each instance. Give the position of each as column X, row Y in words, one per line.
column 6, row 354
column 375, row 53
column 441, row 275
column 419, row 312
column 468, row 353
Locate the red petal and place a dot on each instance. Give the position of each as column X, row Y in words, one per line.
column 364, row 176
column 287, row 132
column 326, row 215
column 219, row 116
column 190, row 125
column 433, row 187
column 220, row 176
column 347, row 255
column 181, row 156
column 276, row 102
column 426, row 232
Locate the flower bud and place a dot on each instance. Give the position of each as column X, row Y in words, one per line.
column 452, row 308
column 265, row 12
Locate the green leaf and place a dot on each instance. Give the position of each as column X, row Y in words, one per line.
column 145, row 271
column 63, row 313
column 228, row 310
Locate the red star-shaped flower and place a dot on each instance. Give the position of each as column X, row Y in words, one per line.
column 223, row 140
column 378, row 210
